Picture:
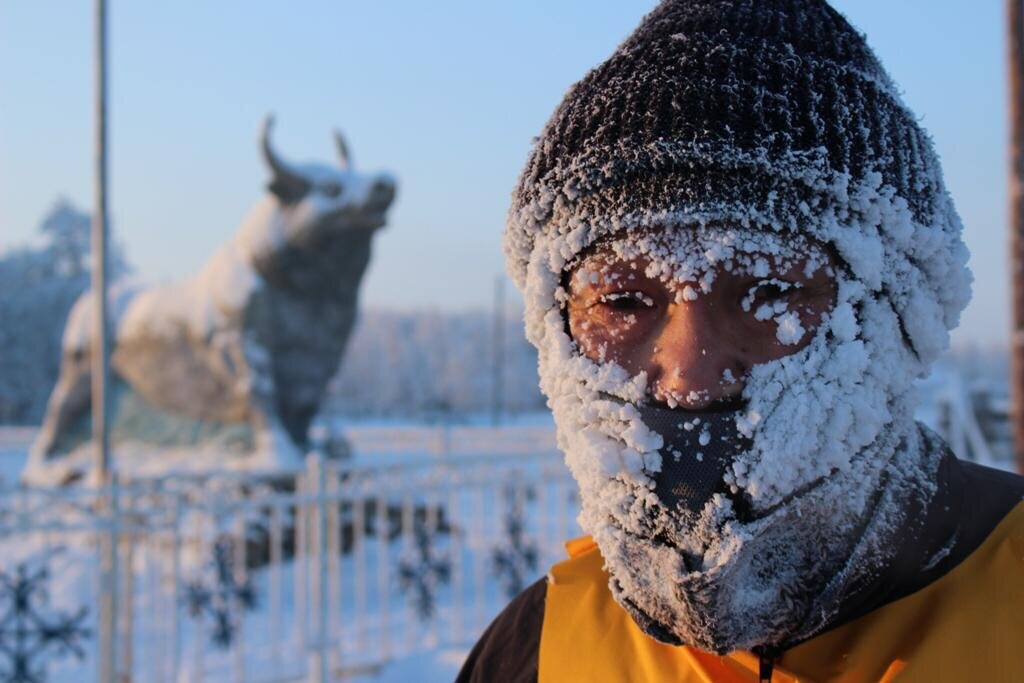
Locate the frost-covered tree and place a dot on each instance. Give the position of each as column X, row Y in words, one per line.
column 433, row 364
column 37, row 289
column 67, row 231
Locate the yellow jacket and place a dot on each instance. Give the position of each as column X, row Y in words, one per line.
column 948, row 607
column 966, row 626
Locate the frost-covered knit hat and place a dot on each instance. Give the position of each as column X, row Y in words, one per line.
column 770, row 113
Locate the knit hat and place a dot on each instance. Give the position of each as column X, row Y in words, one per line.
column 768, row 113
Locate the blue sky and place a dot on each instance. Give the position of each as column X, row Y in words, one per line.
column 446, row 95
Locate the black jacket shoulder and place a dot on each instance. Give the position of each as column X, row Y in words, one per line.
column 509, row 649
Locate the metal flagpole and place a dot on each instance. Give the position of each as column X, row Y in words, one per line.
column 1015, row 36
column 101, row 365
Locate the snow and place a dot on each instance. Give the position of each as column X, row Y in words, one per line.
column 273, row 453
column 194, row 308
column 377, row 441
column 430, row 667
column 790, row 331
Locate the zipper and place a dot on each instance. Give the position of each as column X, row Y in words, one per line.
column 766, row 666
column 766, row 657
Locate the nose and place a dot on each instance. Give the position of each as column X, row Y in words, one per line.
column 382, row 192
column 696, row 359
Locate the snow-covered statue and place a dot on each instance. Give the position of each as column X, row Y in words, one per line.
column 228, row 368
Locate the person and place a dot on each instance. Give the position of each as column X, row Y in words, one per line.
column 737, row 255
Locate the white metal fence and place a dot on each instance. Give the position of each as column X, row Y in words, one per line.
column 316, row 576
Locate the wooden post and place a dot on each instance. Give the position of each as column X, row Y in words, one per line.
column 1015, row 39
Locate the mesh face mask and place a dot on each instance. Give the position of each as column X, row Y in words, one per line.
column 698, row 450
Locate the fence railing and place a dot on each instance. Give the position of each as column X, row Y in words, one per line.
column 313, row 576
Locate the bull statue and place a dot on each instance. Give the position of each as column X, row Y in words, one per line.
column 227, row 370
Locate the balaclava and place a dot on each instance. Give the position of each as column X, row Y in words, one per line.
column 745, row 127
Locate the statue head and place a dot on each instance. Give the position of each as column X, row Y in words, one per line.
column 320, row 196
column 318, row 214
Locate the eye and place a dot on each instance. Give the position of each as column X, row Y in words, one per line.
column 626, row 301
column 773, row 291
column 331, row 188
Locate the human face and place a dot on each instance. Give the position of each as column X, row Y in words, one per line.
column 696, row 343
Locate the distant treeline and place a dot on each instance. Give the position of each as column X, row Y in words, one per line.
column 431, row 363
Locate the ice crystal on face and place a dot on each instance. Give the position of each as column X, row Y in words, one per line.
column 789, row 331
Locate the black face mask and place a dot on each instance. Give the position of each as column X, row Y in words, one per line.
column 698, row 448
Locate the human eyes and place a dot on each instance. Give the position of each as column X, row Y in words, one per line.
column 624, row 301
column 770, row 292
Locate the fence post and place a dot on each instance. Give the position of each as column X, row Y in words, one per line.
column 126, row 590
column 175, row 582
column 300, row 560
column 382, row 527
column 456, row 529
column 108, row 636
column 318, row 657
column 359, row 503
column 276, row 554
column 241, row 575
column 333, row 605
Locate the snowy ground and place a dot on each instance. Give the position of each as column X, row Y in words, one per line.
column 438, row 666
column 438, row 647
column 14, row 444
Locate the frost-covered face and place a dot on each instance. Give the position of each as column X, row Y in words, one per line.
column 801, row 470
column 706, row 156
column 696, row 340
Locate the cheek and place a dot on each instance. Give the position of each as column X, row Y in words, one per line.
column 780, row 336
column 618, row 339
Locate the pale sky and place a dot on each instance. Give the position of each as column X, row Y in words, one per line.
column 445, row 95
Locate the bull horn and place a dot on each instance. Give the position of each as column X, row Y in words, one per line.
column 273, row 161
column 286, row 184
column 344, row 159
